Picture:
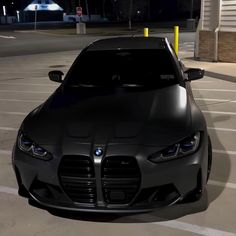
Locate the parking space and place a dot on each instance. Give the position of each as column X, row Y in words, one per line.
column 24, row 85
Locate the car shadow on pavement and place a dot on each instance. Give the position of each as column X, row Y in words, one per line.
column 178, row 210
column 221, row 76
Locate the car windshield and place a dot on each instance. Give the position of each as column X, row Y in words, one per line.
column 131, row 68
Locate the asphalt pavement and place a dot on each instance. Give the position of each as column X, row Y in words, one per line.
column 24, row 85
column 34, row 42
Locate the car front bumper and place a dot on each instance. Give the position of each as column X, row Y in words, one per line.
column 151, row 186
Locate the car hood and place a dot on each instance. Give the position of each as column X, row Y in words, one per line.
column 111, row 116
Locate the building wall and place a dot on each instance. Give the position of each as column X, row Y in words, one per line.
column 228, row 16
column 206, row 45
column 227, row 47
column 216, row 35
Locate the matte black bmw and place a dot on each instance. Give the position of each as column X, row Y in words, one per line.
column 121, row 134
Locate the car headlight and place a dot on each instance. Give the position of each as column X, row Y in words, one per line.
column 28, row 146
column 185, row 147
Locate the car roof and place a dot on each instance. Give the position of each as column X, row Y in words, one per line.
column 120, row 43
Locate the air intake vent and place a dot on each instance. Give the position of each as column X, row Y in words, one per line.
column 120, row 179
column 78, row 179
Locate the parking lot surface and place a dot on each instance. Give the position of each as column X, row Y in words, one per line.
column 24, row 85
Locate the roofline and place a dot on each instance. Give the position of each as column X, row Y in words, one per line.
column 125, row 43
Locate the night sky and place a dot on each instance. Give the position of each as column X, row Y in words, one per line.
column 159, row 9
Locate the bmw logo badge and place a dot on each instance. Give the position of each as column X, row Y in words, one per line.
column 98, row 152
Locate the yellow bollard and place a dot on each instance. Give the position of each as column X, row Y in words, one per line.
column 145, row 32
column 176, row 39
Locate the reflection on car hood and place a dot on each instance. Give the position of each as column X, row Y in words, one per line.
column 109, row 116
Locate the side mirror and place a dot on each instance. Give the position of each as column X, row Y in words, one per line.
column 194, row 73
column 56, row 76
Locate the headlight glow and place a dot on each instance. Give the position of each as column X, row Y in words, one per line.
column 26, row 145
column 185, row 147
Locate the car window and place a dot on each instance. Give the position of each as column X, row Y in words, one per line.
column 123, row 68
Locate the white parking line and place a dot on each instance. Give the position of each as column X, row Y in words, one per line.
column 206, row 231
column 201, row 81
column 222, row 184
column 5, row 152
column 8, row 129
column 215, row 90
column 213, row 100
column 8, row 190
column 20, row 91
column 221, row 129
column 20, row 100
column 7, row 37
column 189, row 43
column 219, row 112
column 28, row 84
column 224, row 152
column 13, row 113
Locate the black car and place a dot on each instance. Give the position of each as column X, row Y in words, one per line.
column 121, row 134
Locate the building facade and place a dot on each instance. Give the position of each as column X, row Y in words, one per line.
column 216, row 34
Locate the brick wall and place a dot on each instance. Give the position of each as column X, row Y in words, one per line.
column 227, row 46
column 206, row 45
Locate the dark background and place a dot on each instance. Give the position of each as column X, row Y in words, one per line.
column 118, row 10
